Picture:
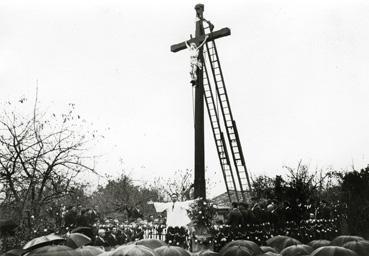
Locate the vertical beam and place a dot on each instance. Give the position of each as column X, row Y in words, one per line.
column 199, row 183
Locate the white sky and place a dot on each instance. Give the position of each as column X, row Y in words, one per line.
column 296, row 73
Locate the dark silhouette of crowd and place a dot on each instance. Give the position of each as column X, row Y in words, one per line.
column 257, row 221
column 109, row 232
column 264, row 219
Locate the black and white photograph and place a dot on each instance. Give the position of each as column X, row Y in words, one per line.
column 184, row 128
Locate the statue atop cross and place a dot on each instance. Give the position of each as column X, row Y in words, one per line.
column 199, row 40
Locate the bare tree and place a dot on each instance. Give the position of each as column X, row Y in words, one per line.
column 41, row 154
column 180, row 183
column 120, row 196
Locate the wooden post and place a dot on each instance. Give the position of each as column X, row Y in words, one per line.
column 199, row 182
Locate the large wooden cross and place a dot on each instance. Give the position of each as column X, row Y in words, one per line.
column 199, row 183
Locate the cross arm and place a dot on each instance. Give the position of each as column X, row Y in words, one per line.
column 212, row 36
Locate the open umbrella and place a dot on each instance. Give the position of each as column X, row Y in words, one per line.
column 75, row 240
column 14, row 252
column 360, row 247
column 105, row 253
column 151, row 243
column 52, row 250
column 42, row 241
column 297, row 250
column 236, row 250
column 333, row 251
column 89, row 251
column 207, row 253
column 281, row 242
column 168, row 250
column 268, row 249
column 252, row 246
column 341, row 240
column 133, row 250
column 269, row 254
column 84, row 230
column 315, row 244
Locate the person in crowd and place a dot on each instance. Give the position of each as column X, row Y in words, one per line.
column 99, row 239
column 323, row 211
column 244, row 209
column 70, row 217
column 176, row 211
column 176, row 216
column 258, row 213
column 110, row 238
column 235, row 218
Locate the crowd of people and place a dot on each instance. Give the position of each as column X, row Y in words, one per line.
column 108, row 231
column 305, row 231
column 278, row 213
column 257, row 222
column 262, row 220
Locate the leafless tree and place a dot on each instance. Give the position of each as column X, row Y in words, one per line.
column 41, row 154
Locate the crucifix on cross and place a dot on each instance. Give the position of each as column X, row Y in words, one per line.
column 199, row 161
column 194, row 56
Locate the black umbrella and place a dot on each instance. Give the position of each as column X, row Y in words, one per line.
column 360, row 247
column 76, row 240
column 133, row 250
column 333, row 251
column 89, row 251
column 168, row 250
column 250, row 245
column 151, row 243
column 236, row 250
column 281, row 242
column 53, row 250
column 341, row 240
column 42, row 241
column 268, row 249
column 269, row 254
column 319, row 243
column 207, row 253
column 14, row 252
column 84, row 230
column 297, row 250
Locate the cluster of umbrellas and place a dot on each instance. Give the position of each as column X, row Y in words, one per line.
column 339, row 246
column 76, row 244
column 53, row 244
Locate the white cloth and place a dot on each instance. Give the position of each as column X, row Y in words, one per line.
column 176, row 212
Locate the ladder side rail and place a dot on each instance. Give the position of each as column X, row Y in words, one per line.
column 210, row 102
column 238, row 142
column 230, row 171
column 232, row 121
column 241, row 155
column 225, row 104
column 234, row 127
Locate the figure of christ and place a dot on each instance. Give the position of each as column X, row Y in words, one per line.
column 194, row 59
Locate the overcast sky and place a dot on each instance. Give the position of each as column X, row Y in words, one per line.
column 296, row 73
